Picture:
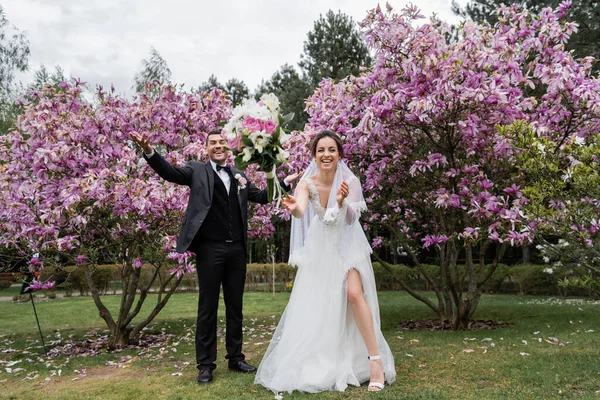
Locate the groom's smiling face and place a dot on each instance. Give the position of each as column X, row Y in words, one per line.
column 215, row 147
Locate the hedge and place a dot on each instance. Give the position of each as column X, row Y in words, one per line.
column 107, row 279
column 522, row 279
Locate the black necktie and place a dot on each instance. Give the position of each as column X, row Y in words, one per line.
column 227, row 168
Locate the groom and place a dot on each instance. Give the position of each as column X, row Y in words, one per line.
column 215, row 227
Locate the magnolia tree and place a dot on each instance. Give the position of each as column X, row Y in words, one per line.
column 75, row 189
column 421, row 127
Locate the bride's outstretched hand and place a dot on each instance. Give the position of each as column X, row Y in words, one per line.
column 142, row 140
column 342, row 193
column 290, row 203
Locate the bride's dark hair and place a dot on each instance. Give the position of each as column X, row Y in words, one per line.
column 329, row 134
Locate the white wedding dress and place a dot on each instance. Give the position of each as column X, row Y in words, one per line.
column 317, row 345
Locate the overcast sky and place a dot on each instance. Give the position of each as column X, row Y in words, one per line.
column 104, row 41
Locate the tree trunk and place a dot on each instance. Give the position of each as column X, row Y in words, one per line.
column 453, row 305
column 119, row 338
column 122, row 332
column 526, row 254
column 102, row 309
column 461, row 319
column 448, row 310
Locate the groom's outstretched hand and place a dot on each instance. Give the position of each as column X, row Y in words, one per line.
column 291, row 178
column 142, row 140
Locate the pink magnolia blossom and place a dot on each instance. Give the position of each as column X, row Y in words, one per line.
column 36, row 264
column 34, row 286
column 377, row 242
column 434, row 240
column 37, row 285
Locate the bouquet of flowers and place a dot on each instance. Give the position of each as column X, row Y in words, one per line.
column 255, row 134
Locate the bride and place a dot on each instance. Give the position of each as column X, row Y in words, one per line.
column 329, row 335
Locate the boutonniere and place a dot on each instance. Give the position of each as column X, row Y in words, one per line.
column 241, row 182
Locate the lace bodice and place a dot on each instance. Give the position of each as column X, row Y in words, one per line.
column 329, row 216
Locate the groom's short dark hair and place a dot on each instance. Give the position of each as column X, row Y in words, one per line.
column 329, row 134
column 213, row 132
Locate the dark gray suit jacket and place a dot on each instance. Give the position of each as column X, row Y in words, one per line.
column 200, row 177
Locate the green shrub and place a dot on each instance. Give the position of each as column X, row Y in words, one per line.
column 413, row 278
column 524, row 279
column 189, row 283
column 533, row 279
column 73, row 278
column 21, row 298
column 4, row 284
column 498, row 278
column 580, row 282
column 259, row 277
column 106, row 278
column 385, row 281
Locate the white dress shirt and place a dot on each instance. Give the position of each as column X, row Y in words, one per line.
column 225, row 177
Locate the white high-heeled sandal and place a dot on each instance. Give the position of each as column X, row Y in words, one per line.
column 378, row 385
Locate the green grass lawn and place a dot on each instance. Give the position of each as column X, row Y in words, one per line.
column 10, row 291
column 518, row 362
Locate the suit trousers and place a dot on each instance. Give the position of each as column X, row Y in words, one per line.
column 219, row 263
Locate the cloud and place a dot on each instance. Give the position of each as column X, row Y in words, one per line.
column 104, row 41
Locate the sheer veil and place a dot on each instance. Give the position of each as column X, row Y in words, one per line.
column 354, row 206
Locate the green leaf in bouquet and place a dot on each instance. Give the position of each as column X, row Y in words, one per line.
column 222, row 124
column 275, row 135
column 247, row 142
column 286, row 118
column 270, row 159
column 240, row 164
column 265, row 166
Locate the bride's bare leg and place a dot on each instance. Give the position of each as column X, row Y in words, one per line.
column 364, row 321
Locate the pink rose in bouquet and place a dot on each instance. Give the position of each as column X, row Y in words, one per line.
column 252, row 124
column 269, row 127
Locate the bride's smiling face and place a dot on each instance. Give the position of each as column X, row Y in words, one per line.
column 327, row 154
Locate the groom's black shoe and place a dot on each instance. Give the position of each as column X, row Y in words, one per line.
column 205, row 375
column 241, row 366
